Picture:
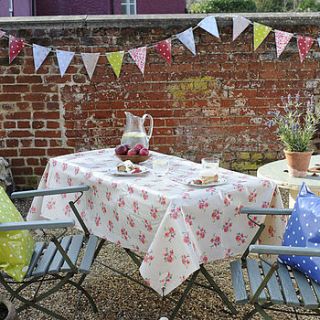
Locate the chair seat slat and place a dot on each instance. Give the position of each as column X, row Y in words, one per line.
column 273, row 285
column 306, row 292
column 88, row 255
column 58, row 258
column 73, row 251
column 238, row 283
column 45, row 260
column 287, row 286
column 255, row 279
column 39, row 246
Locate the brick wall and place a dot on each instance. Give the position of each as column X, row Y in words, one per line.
column 211, row 102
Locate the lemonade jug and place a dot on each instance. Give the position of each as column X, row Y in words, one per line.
column 135, row 132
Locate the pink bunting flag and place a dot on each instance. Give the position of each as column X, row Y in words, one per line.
column 139, row 57
column 304, row 46
column 2, row 33
column 282, row 40
column 15, row 47
column 164, row 48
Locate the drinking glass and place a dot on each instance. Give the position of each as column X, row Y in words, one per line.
column 211, row 163
column 160, row 166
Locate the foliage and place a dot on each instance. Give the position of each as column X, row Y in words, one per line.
column 297, row 124
column 206, row 6
column 309, row 5
column 274, row 5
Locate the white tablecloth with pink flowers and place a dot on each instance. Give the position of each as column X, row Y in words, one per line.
column 175, row 226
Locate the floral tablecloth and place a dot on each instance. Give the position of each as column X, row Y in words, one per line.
column 175, row 226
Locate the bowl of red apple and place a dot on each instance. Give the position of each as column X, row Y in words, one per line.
column 136, row 154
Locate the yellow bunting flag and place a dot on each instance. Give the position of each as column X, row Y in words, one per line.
column 260, row 32
column 115, row 59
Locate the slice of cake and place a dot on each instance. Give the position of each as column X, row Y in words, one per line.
column 126, row 166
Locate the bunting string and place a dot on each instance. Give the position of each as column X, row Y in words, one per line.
column 138, row 55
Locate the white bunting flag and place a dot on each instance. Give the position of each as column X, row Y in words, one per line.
column 210, row 25
column 90, row 61
column 187, row 38
column 318, row 41
column 282, row 40
column 64, row 60
column 139, row 57
column 39, row 55
column 239, row 25
column 2, row 33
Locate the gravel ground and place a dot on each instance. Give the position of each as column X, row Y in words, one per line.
column 120, row 299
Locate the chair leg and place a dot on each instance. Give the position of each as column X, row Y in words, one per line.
column 259, row 309
column 262, row 312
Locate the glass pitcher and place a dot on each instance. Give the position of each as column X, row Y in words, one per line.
column 134, row 131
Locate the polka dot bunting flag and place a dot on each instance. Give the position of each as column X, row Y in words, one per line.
column 164, row 48
column 260, row 32
column 304, row 45
column 15, row 47
column 139, row 57
column 39, row 55
column 64, row 60
column 2, row 33
column 282, row 39
column 115, row 59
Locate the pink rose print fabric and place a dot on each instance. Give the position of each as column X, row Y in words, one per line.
column 175, row 227
column 304, row 46
column 139, row 57
column 282, row 40
column 15, row 47
column 164, row 48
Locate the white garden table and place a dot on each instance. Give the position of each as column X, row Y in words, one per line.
column 277, row 172
column 176, row 227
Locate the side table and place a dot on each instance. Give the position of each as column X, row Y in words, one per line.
column 277, row 171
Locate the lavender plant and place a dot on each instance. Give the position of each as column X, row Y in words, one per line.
column 297, row 124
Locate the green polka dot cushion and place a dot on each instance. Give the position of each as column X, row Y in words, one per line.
column 16, row 247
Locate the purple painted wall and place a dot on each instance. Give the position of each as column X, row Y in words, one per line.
column 74, row 7
column 21, row 8
column 66, row 7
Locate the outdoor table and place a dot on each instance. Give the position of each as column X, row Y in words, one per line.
column 277, row 172
column 175, row 226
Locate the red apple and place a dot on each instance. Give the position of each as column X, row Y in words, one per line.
column 121, row 149
column 132, row 152
column 138, row 146
column 144, row 152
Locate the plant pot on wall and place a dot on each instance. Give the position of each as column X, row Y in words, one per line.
column 298, row 163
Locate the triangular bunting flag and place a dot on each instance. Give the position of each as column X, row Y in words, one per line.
column 164, row 48
column 2, row 33
column 318, row 41
column 239, row 25
column 304, row 45
column 187, row 38
column 90, row 61
column 115, row 59
column 139, row 57
column 210, row 25
column 15, row 47
column 39, row 55
column 282, row 39
column 260, row 32
column 64, row 60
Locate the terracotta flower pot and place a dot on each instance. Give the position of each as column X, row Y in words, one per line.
column 298, row 163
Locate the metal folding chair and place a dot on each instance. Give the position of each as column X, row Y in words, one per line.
column 56, row 261
column 273, row 284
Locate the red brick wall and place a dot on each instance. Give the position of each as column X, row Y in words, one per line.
column 212, row 102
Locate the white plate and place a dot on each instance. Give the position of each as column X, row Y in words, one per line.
column 121, row 173
column 211, row 184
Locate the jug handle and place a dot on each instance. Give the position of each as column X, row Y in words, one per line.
column 145, row 116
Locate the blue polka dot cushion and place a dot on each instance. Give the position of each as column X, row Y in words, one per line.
column 303, row 230
column 16, row 247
